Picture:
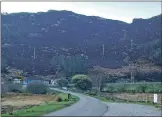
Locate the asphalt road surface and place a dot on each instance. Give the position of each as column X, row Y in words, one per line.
column 88, row 106
column 125, row 109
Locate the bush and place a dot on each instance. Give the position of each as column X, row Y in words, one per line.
column 93, row 92
column 15, row 88
column 157, row 88
column 37, row 88
column 110, row 89
column 63, row 82
column 141, row 88
column 66, row 100
column 122, row 88
column 149, row 90
column 135, row 88
column 59, row 99
column 131, row 90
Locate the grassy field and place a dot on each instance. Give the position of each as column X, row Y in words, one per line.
column 35, row 105
column 142, row 87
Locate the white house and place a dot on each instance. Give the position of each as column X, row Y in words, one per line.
column 54, row 82
column 15, row 81
column 47, row 82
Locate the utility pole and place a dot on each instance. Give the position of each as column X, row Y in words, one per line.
column 132, row 73
column 34, row 60
column 131, row 44
column 103, row 49
column 125, row 35
column 34, row 52
column 132, row 66
column 130, row 63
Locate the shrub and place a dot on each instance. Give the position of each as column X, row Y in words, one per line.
column 150, row 89
column 15, row 88
column 63, row 82
column 122, row 88
column 37, row 88
column 157, row 88
column 131, row 90
column 59, row 99
column 66, row 100
column 141, row 88
column 110, row 89
column 93, row 92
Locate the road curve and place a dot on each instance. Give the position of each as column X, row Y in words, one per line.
column 86, row 106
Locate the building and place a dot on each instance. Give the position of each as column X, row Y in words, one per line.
column 54, row 82
column 15, row 81
column 28, row 80
column 47, row 82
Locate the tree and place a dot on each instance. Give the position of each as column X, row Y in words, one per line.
column 63, row 82
column 99, row 77
column 70, row 65
column 82, row 82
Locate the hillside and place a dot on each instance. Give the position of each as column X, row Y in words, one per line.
column 65, row 33
column 142, row 72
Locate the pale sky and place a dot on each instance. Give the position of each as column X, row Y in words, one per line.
column 124, row 11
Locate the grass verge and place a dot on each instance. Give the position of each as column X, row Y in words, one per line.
column 45, row 108
column 124, row 101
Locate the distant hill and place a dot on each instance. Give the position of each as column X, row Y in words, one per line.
column 67, row 33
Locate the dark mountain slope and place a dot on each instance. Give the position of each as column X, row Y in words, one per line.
column 67, row 33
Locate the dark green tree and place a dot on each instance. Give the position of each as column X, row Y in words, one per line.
column 82, row 82
column 63, row 82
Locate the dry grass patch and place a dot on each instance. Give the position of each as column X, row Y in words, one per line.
column 21, row 101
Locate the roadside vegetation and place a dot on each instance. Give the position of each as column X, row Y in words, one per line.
column 127, row 100
column 140, row 93
column 142, row 87
column 36, row 100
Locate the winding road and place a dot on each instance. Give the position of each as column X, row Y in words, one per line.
column 89, row 106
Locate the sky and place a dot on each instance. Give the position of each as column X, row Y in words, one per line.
column 123, row 11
